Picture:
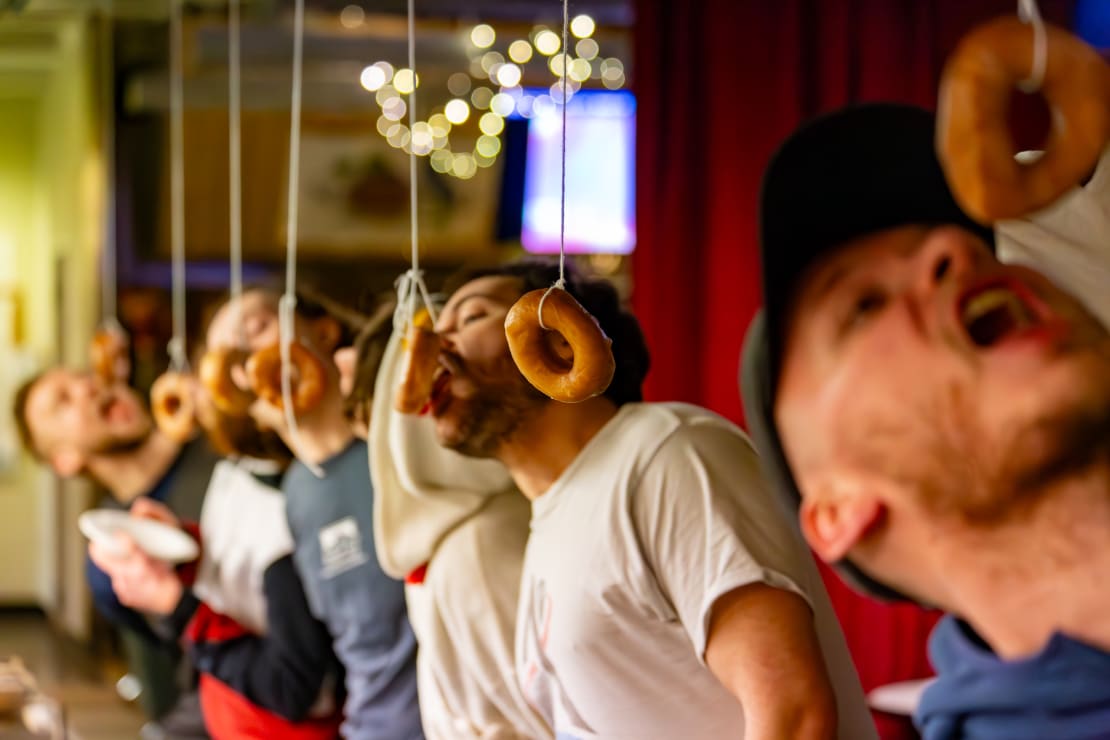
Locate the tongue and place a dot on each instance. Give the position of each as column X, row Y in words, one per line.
column 994, row 325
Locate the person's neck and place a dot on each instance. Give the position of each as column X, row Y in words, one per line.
column 1042, row 572
column 323, row 433
column 128, row 475
column 540, row 450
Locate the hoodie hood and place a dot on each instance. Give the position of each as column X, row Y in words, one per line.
column 421, row 490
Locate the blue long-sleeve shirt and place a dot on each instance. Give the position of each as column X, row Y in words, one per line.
column 182, row 489
column 331, row 519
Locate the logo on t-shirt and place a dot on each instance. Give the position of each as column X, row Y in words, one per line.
column 341, row 547
column 541, row 684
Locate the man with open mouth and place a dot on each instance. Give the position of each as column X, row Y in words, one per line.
column 664, row 593
column 939, row 421
column 77, row 424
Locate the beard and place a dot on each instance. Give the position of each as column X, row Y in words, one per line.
column 241, row 436
column 978, row 476
column 123, row 444
column 490, row 416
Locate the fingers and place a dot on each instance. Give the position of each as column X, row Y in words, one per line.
column 146, row 508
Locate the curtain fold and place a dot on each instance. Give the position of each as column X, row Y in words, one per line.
column 719, row 84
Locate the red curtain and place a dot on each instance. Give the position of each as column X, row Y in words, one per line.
column 720, row 83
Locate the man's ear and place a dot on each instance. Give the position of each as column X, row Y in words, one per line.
column 67, row 462
column 834, row 523
column 326, row 333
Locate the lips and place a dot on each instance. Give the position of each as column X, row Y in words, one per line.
column 114, row 409
column 449, row 367
column 998, row 311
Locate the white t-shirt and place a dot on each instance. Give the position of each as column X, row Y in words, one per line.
column 244, row 530
column 1069, row 241
column 663, row 512
column 463, row 615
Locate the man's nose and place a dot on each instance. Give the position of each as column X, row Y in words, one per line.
column 88, row 386
column 948, row 253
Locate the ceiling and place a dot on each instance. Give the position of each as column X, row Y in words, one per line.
column 616, row 13
column 334, row 55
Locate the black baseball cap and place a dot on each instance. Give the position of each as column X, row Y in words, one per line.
column 856, row 171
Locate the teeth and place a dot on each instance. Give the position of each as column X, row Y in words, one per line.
column 992, row 299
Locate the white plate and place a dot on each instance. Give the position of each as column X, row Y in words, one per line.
column 898, row 698
column 156, row 539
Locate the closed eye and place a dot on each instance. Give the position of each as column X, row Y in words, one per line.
column 865, row 306
column 472, row 317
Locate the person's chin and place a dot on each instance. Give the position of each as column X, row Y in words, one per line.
column 448, row 433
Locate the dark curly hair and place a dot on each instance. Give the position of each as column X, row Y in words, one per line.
column 599, row 298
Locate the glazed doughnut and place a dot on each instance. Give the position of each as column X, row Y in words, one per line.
column 974, row 143
column 173, row 405
column 419, row 369
column 588, row 370
column 308, row 380
column 108, row 354
column 215, row 374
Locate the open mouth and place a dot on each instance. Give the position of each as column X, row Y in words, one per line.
column 113, row 409
column 995, row 313
column 440, row 396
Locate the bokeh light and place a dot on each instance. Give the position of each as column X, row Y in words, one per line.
column 483, row 36
column 456, row 111
column 520, row 51
column 582, row 26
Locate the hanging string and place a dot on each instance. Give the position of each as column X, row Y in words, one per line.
column 178, row 359
column 561, row 283
column 410, row 285
column 235, row 178
column 108, row 257
column 1029, row 13
column 287, row 306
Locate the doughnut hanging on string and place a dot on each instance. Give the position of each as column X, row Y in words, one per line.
column 110, row 348
column 173, row 400
column 415, row 314
column 298, row 365
column 585, row 367
column 974, row 142
column 218, row 366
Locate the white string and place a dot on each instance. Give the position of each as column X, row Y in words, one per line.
column 287, row 306
column 178, row 359
column 1029, row 13
column 563, row 176
column 108, row 265
column 235, row 178
column 561, row 283
column 413, row 225
column 410, row 285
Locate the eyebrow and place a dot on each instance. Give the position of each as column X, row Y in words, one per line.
column 829, row 282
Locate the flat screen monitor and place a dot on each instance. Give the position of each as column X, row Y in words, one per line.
column 601, row 172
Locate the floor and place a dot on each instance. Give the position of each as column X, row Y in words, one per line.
column 70, row 674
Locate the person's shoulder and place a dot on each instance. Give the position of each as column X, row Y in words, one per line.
column 480, row 560
column 352, row 462
column 687, row 426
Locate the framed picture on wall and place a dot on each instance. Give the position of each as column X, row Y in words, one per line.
column 354, row 196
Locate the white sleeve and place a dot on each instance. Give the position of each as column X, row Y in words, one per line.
column 1068, row 241
column 708, row 524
